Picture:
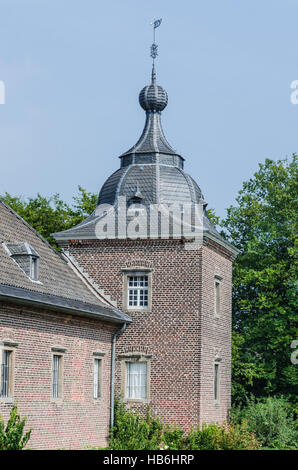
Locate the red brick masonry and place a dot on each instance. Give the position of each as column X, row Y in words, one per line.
column 181, row 332
column 77, row 420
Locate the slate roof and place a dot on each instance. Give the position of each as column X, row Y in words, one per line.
column 159, row 184
column 151, row 167
column 59, row 286
column 152, row 138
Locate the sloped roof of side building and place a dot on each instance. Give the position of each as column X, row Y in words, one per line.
column 60, row 286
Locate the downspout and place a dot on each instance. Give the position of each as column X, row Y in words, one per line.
column 115, row 336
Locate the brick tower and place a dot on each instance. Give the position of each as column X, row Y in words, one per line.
column 176, row 353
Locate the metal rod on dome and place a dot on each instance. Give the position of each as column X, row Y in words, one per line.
column 153, row 49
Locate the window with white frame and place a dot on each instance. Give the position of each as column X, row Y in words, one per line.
column 6, row 373
column 136, row 380
column 137, row 291
column 97, row 377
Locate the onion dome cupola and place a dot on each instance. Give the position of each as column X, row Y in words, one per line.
column 151, row 172
column 151, row 164
column 152, row 146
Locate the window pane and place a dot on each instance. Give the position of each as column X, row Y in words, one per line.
column 217, row 298
column 56, row 374
column 96, row 378
column 34, row 273
column 216, row 381
column 136, row 380
column 137, row 291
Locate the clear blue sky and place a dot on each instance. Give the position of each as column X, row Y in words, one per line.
column 73, row 70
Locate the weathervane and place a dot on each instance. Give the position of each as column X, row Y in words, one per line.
column 153, row 49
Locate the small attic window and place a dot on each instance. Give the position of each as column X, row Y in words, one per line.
column 135, row 207
column 134, row 200
column 26, row 258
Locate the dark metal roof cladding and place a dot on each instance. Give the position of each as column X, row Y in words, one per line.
column 18, row 249
column 153, row 99
column 151, row 167
column 151, row 164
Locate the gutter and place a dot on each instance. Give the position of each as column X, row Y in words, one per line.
column 69, row 306
column 221, row 241
column 112, row 400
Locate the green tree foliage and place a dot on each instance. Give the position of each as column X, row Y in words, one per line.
column 214, row 219
column 84, row 204
column 49, row 215
column 263, row 226
column 13, row 436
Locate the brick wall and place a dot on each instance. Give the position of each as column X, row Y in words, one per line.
column 78, row 420
column 180, row 332
column 215, row 333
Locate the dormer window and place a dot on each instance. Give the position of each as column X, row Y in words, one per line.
column 135, row 207
column 135, row 202
column 26, row 258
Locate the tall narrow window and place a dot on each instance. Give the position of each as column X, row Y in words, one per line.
column 136, row 380
column 217, row 289
column 57, row 376
column 138, row 291
column 216, row 381
column 97, row 378
column 6, row 376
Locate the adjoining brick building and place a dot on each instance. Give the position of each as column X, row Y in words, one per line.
column 176, row 353
column 56, row 336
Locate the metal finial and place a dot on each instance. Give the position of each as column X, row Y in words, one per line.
column 153, row 75
column 153, row 48
column 153, row 51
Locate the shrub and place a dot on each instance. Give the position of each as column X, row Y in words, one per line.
column 173, row 439
column 12, row 437
column 222, row 437
column 271, row 419
column 205, row 438
column 133, row 432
